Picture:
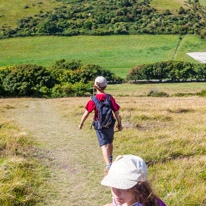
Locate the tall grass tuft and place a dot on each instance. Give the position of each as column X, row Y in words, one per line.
column 19, row 171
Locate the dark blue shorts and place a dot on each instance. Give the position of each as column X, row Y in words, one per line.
column 105, row 136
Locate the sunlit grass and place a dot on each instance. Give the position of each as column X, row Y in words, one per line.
column 13, row 10
column 190, row 43
column 144, row 89
column 162, row 5
column 116, row 53
column 20, row 175
column 169, row 133
column 203, row 2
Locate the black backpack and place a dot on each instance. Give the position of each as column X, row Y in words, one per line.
column 105, row 118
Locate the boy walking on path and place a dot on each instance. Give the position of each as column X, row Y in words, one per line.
column 103, row 104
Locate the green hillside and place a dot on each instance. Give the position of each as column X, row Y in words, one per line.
column 172, row 5
column 116, row 53
column 101, row 17
column 13, row 10
column 203, row 2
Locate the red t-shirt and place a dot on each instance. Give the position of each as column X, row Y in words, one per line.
column 101, row 97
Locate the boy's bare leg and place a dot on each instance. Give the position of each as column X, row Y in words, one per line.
column 105, row 152
column 110, row 149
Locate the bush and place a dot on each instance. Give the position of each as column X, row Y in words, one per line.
column 89, row 72
column 33, row 80
column 81, row 89
column 169, row 70
column 27, row 79
column 202, row 93
column 62, row 90
column 69, row 65
column 3, row 73
column 69, row 90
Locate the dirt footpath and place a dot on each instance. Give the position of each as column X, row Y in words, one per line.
column 72, row 156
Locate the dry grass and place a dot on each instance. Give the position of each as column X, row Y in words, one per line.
column 169, row 133
column 19, row 172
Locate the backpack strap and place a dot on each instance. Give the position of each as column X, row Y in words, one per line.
column 108, row 97
column 97, row 104
column 95, row 100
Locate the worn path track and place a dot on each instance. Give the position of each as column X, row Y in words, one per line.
column 72, row 156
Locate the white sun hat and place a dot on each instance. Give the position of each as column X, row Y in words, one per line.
column 126, row 171
column 100, row 82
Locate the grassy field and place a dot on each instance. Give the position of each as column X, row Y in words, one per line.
column 116, row 53
column 169, row 133
column 20, row 174
column 203, row 2
column 162, row 5
column 13, row 10
column 190, row 43
column 143, row 89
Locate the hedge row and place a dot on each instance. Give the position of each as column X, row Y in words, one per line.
column 34, row 80
column 169, row 70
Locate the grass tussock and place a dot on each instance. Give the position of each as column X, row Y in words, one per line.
column 169, row 133
column 19, row 172
column 180, row 110
column 156, row 93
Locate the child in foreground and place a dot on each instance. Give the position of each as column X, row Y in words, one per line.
column 103, row 104
column 127, row 178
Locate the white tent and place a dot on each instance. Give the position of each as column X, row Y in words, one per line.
column 199, row 56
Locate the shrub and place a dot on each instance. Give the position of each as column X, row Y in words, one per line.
column 202, row 93
column 81, row 89
column 62, row 90
column 3, row 73
column 69, row 65
column 27, row 79
column 88, row 73
column 57, row 91
column 69, row 90
column 170, row 70
column 34, row 80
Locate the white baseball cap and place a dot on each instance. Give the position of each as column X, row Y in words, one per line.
column 100, row 82
column 126, row 171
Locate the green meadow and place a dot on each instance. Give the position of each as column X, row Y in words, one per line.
column 162, row 5
column 116, row 53
column 203, row 2
column 171, row 89
column 13, row 10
